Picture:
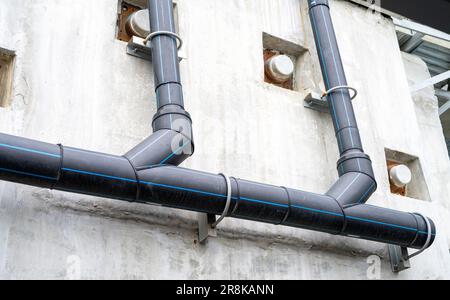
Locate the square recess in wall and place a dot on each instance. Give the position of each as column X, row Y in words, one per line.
column 126, row 9
column 274, row 46
column 6, row 76
column 417, row 188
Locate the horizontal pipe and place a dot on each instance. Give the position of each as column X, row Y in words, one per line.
column 97, row 174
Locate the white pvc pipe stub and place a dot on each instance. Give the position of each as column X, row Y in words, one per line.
column 138, row 24
column 400, row 176
column 280, row 68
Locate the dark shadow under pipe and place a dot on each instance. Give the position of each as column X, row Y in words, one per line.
column 147, row 174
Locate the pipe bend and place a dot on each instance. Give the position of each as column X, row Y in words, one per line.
column 164, row 147
column 353, row 189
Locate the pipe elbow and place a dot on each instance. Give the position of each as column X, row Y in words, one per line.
column 170, row 144
column 357, row 181
column 353, row 189
column 164, row 147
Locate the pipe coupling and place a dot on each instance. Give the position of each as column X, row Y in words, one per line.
column 173, row 117
column 314, row 3
column 358, row 162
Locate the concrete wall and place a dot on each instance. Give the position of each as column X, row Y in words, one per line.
column 74, row 84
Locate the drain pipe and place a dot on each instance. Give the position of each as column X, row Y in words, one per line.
column 141, row 175
column 357, row 181
column 172, row 141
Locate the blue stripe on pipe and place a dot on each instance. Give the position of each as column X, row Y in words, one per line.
column 264, row 202
column 381, row 223
column 244, row 199
column 214, row 194
column 99, row 175
column 30, row 150
column 318, row 210
column 331, row 102
column 426, row 233
column 173, row 154
column 28, row 174
column 183, row 189
column 337, row 73
column 368, row 191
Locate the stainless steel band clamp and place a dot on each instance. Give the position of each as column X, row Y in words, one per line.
column 341, row 87
column 227, row 206
column 207, row 223
column 427, row 243
column 152, row 35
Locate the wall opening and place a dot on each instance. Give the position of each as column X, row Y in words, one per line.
column 7, row 58
column 417, row 188
column 281, row 73
column 125, row 9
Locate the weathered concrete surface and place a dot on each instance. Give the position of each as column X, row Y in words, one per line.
column 75, row 85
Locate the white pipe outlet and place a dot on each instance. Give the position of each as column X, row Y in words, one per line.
column 279, row 68
column 138, row 24
column 400, row 176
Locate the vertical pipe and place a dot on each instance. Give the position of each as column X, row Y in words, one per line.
column 357, row 181
column 165, row 54
column 341, row 108
column 171, row 114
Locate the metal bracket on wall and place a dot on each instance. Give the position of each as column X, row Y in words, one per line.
column 205, row 229
column 137, row 48
column 207, row 223
column 399, row 258
column 317, row 101
column 314, row 100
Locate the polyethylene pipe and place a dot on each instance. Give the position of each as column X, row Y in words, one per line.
column 148, row 173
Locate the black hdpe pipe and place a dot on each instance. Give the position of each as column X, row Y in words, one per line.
column 148, row 173
column 357, row 181
column 172, row 141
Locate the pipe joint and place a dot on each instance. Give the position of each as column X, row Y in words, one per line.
column 173, row 117
column 173, row 109
column 314, row 3
column 353, row 189
column 420, row 239
column 355, row 162
column 167, row 82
